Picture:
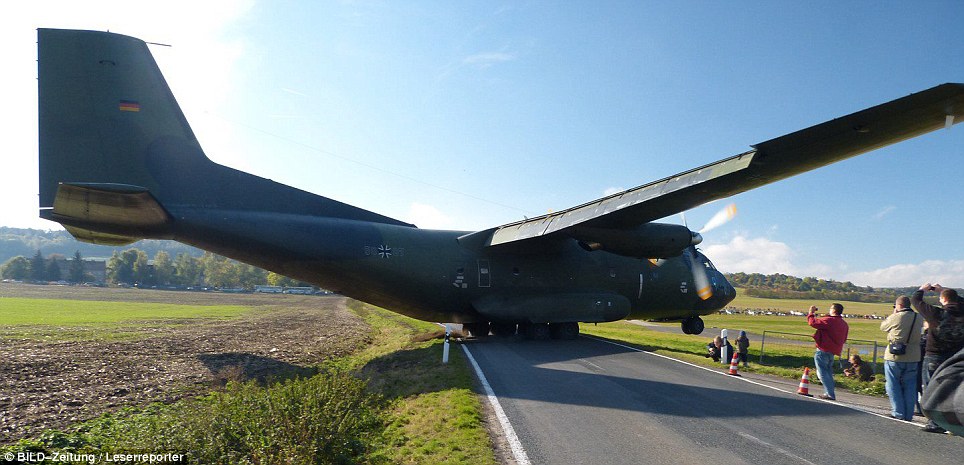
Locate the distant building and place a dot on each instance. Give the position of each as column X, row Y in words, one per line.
column 269, row 289
column 300, row 290
column 95, row 268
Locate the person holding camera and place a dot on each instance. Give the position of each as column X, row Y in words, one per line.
column 830, row 337
column 714, row 349
column 945, row 334
column 903, row 328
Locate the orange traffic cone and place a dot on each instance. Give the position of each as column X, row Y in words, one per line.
column 735, row 365
column 804, row 389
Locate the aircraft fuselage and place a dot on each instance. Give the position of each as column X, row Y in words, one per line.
column 429, row 275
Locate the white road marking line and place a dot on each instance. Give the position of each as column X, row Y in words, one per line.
column 851, row 407
column 587, row 362
column 775, row 448
column 518, row 452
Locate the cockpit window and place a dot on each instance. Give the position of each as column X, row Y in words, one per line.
column 707, row 263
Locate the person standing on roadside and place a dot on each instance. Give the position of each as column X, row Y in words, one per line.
column 830, row 337
column 945, row 333
column 920, row 367
column 900, row 370
column 743, row 347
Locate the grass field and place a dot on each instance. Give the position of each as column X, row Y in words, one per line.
column 743, row 301
column 389, row 400
column 59, row 312
column 80, row 320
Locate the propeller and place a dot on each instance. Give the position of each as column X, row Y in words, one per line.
column 720, row 218
column 700, row 279
column 703, row 288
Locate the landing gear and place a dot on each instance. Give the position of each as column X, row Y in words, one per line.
column 535, row 331
column 543, row 331
column 477, row 329
column 503, row 329
column 692, row 325
column 564, row 331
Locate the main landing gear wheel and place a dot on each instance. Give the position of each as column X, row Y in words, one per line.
column 536, row 331
column 503, row 329
column 477, row 329
column 564, row 331
column 692, row 325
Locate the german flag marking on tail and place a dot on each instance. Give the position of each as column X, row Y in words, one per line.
column 129, row 105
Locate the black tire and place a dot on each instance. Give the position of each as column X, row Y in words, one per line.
column 693, row 325
column 536, row 331
column 564, row 331
column 477, row 329
column 503, row 329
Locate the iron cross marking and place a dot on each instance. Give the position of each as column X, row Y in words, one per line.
column 384, row 251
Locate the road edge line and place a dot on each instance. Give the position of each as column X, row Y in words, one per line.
column 518, row 452
column 851, row 407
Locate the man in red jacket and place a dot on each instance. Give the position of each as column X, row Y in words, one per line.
column 830, row 337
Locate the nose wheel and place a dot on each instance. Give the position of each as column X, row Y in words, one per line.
column 692, row 325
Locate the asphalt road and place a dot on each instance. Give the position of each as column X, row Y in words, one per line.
column 592, row 402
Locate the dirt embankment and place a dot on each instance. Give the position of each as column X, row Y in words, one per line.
column 52, row 384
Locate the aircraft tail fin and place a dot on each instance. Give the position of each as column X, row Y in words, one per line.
column 116, row 152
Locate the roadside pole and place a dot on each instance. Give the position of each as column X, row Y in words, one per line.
column 445, row 345
column 724, row 349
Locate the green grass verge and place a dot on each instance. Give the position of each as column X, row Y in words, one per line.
column 435, row 416
column 784, row 360
column 64, row 320
column 391, row 402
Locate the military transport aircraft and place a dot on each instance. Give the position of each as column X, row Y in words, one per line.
column 119, row 163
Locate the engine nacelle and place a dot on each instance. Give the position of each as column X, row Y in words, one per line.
column 651, row 240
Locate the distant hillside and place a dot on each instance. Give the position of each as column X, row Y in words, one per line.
column 26, row 242
column 781, row 286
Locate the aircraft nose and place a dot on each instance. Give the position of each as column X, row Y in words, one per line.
column 728, row 294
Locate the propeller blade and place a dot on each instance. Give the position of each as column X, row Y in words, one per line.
column 700, row 279
column 720, row 218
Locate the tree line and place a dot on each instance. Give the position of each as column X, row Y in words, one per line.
column 781, row 286
column 133, row 267
column 39, row 268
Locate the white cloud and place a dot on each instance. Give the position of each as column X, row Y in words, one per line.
column 612, row 190
column 756, row 255
column 428, row 217
column 762, row 255
column 945, row 272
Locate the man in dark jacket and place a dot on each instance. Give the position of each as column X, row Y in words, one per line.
column 943, row 400
column 945, row 335
column 714, row 349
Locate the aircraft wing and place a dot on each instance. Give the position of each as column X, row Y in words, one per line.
column 770, row 161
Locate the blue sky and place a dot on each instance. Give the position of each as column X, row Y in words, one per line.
column 467, row 115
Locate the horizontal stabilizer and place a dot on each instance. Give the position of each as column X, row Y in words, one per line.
column 94, row 237
column 119, row 213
